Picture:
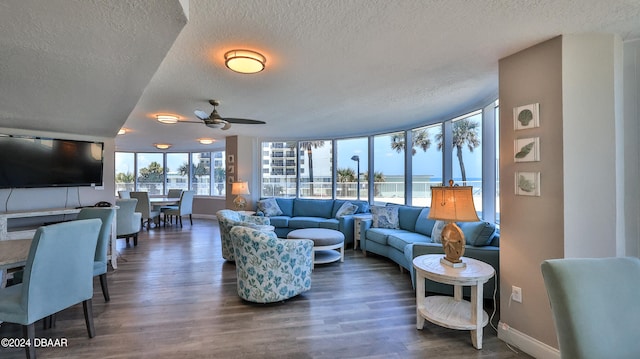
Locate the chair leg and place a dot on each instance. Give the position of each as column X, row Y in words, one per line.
column 29, row 333
column 88, row 317
column 103, row 285
column 190, row 219
column 135, row 239
column 180, row 221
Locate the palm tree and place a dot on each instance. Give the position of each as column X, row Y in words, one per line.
column 420, row 139
column 465, row 132
column 378, row 177
column 346, row 175
column 309, row 146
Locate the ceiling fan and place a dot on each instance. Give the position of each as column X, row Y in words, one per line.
column 215, row 121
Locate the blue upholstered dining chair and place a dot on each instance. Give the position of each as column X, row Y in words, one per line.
column 128, row 221
column 227, row 219
column 595, row 308
column 149, row 214
column 106, row 215
column 270, row 269
column 185, row 207
column 58, row 274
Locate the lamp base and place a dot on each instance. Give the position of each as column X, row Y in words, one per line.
column 240, row 203
column 460, row 264
column 452, row 242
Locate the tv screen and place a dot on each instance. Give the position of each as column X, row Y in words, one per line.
column 27, row 162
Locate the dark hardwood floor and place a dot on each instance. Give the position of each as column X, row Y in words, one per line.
column 173, row 296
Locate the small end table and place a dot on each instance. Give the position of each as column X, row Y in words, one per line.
column 452, row 312
column 357, row 218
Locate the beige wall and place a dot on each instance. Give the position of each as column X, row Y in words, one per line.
column 585, row 166
column 247, row 163
column 531, row 228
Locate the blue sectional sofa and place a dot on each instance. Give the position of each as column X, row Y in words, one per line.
column 412, row 238
column 300, row 213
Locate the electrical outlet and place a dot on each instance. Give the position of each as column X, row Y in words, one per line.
column 516, row 294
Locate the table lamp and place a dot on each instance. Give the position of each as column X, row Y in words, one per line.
column 453, row 204
column 238, row 189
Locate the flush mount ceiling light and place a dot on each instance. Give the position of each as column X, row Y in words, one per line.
column 167, row 119
column 244, row 61
column 122, row 131
column 162, row 146
column 206, row 141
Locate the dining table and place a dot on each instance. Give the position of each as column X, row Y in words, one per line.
column 164, row 201
column 13, row 254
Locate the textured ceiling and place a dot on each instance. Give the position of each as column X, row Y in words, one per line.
column 334, row 68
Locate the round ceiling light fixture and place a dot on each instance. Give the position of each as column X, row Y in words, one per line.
column 162, row 146
column 122, row 131
column 206, row 141
column 244, row 61
column 167, row 119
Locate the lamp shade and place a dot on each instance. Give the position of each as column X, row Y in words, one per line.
column 239, row 188
column 453, row 203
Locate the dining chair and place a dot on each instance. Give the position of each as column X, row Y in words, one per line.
column 124, row 194
column 174, row 193
column 100, row 259
column 128, row 221
column 58, row 274
column 149, row 214
column 185, row 207
column 594, row 303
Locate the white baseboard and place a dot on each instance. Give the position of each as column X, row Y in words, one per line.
column 205, row 216
column 527, row 344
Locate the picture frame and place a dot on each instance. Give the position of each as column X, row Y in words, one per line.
column 526, row 149
column 527, row 184
column 231, row 159
column 526, row 117
column 231, row 169
column 230, row 179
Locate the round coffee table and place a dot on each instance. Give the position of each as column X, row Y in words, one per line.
column 324, row 242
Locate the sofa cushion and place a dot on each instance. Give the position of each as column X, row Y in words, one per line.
column 330, row 224
column 269, row 207
column 312, row 208
column 407, row 217
column 305, row 222
column 286, row 205
column 379, row 235
column 400, row 240
column 424, row 225
column 436, row 233
column 478, row 234
column 346, row 209
column 279, row 221
column 385, row 217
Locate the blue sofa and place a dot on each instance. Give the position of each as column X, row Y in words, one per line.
column 412, row 238
column 313, row 213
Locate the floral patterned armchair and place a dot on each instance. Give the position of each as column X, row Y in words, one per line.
column 227, row 219
column 270, row 269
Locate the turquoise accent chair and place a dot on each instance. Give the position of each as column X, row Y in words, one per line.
column 185, row 207
column 595, row 308
column 270, row 269
column 58, row 274
column 227, row 219
column 128, row 221
column 100, row 259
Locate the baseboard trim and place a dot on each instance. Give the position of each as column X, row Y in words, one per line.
column 527, row 344
column 204, row 216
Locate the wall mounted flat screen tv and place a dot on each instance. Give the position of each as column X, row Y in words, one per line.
column 28, row 162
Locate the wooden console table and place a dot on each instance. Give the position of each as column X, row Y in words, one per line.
column 27, row 233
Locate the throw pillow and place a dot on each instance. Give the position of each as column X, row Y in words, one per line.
column 385, row 217
column 346, row 209
column 478, row 234
column 436, row 233
column 269, row 207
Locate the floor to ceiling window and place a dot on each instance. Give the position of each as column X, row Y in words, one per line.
column 201, row 173
column 352, row 165
column 125, row 171
column 316, row 168
column 177, row 171
column 388, row 168
column 150, row 173
column 426, row 164
column 279, row 169
column 467, row 154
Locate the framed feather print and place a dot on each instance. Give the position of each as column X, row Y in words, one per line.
column 525, row 117
column 526, row 149
column 528, row 184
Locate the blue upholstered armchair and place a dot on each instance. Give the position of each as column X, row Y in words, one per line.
column 227, row 219
column 270, row 269
column 595, row 308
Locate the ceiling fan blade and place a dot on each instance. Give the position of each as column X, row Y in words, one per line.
column 244, row 121
column 201, row 114
column 183, row 121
